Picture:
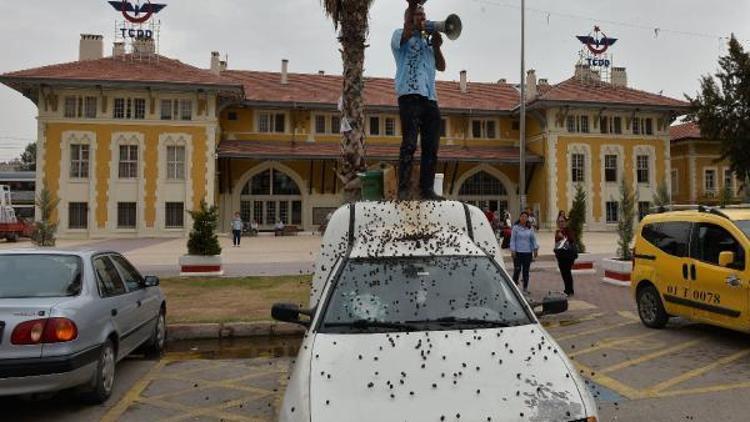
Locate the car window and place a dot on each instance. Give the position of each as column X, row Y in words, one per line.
column 671, row 237
column 37, row 275
column 422, row 290
column 109, row 281
column 130, row 276
column 710, row 240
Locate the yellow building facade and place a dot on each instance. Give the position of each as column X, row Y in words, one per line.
column 130, row 143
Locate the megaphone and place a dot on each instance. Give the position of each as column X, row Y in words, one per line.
column 451, row 27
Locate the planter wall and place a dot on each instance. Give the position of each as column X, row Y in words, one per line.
column 194, row 265
column 617, row 272
column 584, row 264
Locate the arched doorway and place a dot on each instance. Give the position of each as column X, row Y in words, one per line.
column 484, row 190
column 270, row 196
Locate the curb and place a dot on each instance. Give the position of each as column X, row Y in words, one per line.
column 178, row 332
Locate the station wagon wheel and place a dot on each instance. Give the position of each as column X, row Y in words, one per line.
column 650, row 308
column 104, row 378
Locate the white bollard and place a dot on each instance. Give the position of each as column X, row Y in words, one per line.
column 438, row 185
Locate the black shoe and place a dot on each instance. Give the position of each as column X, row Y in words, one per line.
column 431, row 196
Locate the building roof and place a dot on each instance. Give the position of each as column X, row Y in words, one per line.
column 266, row 87
column 278, row 150
column 125, row 69
column 581, row 90
column 684, row 131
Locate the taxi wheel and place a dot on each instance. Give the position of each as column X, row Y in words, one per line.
column 650, row 308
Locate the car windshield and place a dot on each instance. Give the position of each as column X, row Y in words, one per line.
column 744, row 225
column 34, row 275
column 425, row 293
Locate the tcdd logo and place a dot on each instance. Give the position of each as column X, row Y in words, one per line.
column 597, row 42
column 138, row 13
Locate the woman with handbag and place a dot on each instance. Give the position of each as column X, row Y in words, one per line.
column 566, row 252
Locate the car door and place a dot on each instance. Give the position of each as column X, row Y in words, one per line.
column 146, row 306
column 114, row 301
column 719, row 294
column 671, row 263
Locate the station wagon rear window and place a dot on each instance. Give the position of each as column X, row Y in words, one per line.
column 34, row 275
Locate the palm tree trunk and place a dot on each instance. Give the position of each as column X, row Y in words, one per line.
column 354, row 28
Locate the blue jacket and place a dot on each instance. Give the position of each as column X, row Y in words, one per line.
column 523, row 239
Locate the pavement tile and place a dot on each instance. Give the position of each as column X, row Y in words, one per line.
column 265, row 408
column 208, row 397
column 139, row 412
column 162, row 386
column 269, row 381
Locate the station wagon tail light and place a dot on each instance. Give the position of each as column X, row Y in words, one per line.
column 49, row 330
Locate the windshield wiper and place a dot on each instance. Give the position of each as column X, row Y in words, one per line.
column 366, row 323
column 464, row 321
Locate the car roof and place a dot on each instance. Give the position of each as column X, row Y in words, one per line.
column 55, row 251
column 733, row 213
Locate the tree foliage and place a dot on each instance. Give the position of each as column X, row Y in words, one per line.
column 45, row 229
column 351, row 19
column 28, row 158
column 628, row 199
column 722, row 108
column 203, row 240
column 662, row 197
column 577, row 216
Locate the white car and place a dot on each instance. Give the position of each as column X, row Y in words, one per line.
column 413, row 318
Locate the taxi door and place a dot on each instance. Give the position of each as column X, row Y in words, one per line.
column 667, row 251
column 720, row 293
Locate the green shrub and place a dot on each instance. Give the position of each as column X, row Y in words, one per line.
column 203, row 240
column 577, row 216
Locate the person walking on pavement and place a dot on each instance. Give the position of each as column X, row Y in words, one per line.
column 236, row 229
column 524, row 248
column 566, row 252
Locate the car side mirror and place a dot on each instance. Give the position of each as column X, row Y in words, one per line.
column 726, row 259
column 552, row 304
column 289, row 312
column 151, row 281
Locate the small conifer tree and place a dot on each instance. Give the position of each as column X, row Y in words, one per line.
column 45, row 229
column 625, row 225
column 203, row 240
column 662, row 198
column 577, row 216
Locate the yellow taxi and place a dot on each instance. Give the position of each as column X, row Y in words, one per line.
column 693, row 264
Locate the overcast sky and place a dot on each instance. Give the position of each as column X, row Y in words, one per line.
column 257, row 34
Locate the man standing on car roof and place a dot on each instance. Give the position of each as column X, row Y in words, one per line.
column 418, row 56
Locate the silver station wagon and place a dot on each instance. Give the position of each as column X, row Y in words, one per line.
column 67, row 318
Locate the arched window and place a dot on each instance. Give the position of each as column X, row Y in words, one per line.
column 271, row 196
column 484, row 191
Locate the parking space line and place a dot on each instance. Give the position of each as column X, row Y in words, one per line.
column 654, row 390
column 702, row 390
column 562, row 323
column 593, row 331
column 206, row 384
column 188, row 411
column 607, row 344
column 134, row 393
column 650, row 356
column 629, row 315
column 609, row 382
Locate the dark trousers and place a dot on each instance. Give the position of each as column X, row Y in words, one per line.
column 566, row 266
column 522, row 263
column 419, row 117
column 237, row 236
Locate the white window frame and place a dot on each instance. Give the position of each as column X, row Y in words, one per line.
column 581, row 126
column 638, row 169
column 607, row 218
column 570, row 124
column 379, row 127
column 331, row 123
column 715, row 173
column 85, row 220
column 614, row 130
column 70, row 107
column 166, row 215
column 483, row 131
column 574, row 171
column 135, row 219
column 617, row 168
column 186, row 109
column 78, row 163
column 386, row 119
column 167, row 105
column 129, row 161
column 175, row 166
column 733, row 181
column 271, row 122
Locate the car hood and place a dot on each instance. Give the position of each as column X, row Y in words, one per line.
column 506, row 374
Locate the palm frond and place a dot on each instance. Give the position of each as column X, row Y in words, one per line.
column 333, row 9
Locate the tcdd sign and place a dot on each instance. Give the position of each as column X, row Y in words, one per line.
column 137, row 13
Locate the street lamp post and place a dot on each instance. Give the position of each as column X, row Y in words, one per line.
column 522, row 123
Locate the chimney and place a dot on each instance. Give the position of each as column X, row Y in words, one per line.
column 464, row 84
column 284, row 72
column 543, row 82
column 91, row 47
column 619, row 77
column 144, row 46
column 215, row 63
column 321, row 73
column 223, row 65
column 584, row 73
column 530, row 84
column 502, row 81
column 118, row 49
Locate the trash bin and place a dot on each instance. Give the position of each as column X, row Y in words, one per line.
column 372, row 185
